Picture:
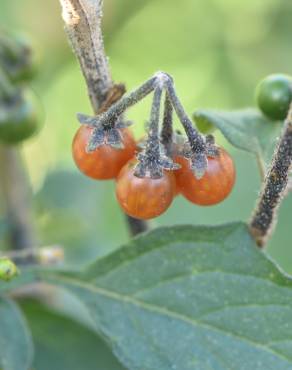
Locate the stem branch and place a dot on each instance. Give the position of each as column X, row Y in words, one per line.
column 166, row 135
column 152, row 147
column 274, row 187
column 17, row 196
column 83, row 25
column 195, row 139
column 109, row 117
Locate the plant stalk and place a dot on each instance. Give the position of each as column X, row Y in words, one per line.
column 83, row 26
column 166, row 135
column 17, row 197
column 275, row 186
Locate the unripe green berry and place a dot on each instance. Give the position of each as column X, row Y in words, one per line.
column 20, row 118
column 16, row 58
column 274, row 96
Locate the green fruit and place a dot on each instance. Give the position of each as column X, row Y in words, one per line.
column 22, row 72
column 274, row 95
column 16, row 58
column 19, row 119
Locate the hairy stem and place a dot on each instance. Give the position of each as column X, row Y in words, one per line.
column 83, row 25
column 17, row 196
column 166, row 134
column 274, row 187
column 195, row 139
column 109, row 117
column 161, row 80
column 152, row 148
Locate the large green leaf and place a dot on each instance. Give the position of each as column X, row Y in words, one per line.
column 246, row 129
column 189, row 298
column 63, row 344
column 16, row 348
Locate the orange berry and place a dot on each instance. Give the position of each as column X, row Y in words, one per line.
column 144, row 198
column 213, row 187
column 105, row 162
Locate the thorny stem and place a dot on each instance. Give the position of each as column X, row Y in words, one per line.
column 17, row 195
column 166, row 134
column 83, row 25
column 274, row 187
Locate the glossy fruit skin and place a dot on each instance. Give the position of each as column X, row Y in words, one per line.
column 144, row 198
column 19, row 120
column 105, row 162
column 274, row 95
column 213, row 187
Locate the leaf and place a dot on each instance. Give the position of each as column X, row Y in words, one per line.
column 189, row 298
column 16, row 348
column 74, row 347
column 8, row 269
column 246, row 129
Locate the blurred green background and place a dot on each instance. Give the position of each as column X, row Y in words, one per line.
column 216, row 50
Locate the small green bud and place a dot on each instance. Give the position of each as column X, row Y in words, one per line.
column 8, row 269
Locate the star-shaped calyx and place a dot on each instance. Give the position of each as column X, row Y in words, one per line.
column 152, row 161
column 110, row 134
column 198, row 157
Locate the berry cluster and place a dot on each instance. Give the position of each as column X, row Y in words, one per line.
column 150, row 174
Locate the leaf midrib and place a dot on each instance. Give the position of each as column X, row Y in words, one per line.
column 197, row 273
